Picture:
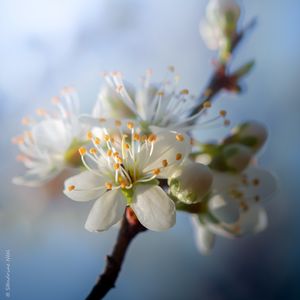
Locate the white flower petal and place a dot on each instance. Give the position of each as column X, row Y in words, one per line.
column 224, row 209
column 107, row 211
column 36, row 179
column 168, row 147
column 267, row 184
column 205, row 239
column 52, row 135
column 154, row 209
column 88, row 186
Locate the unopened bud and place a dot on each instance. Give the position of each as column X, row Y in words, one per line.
column 237, row 157
column 191, row 182
column 252, row 134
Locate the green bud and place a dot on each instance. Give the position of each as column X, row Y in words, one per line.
column 252, row 134
column 191, row 182
column 237, row 157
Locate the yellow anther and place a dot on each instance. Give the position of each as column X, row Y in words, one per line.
column 116, row 154
column 184, row 92
column 143, row 138
column 130, row 125
column 25, row 121
column 161, row 94
column 226, row 122
column 55, row 100
column 109, row 152
column 119, row 88
column 71, row 188
column 123, row 184
column 119, row 160
column 206, row 104
column 136, row 137
column 178, row 156
column 223, row 113
column 179, row 137
column 118, row 123
column 112, row 140
column 164, row 163
column 89, row 135
column 97, row 141
column 126, row 146
column 82, row 150
column 93, row 151
column 41, row 112
column 156, row 171
column 102, row 120
column 116, row 166
column 107, row 137
column 255, row 181
column 108, row 185
column 152, row 137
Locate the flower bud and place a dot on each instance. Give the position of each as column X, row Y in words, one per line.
column 252, row 134
column 224, row 14
column 237, row 157
column 191, row 182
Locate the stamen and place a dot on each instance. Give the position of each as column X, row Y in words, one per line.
column 178, row 156
column 101, row 120
column 156, row 171
column 89, row 135
column 223, row 113
column 164, row 163
column 107, row 137
column 108, row 185
column 109, row 153
column 152, row 137
column 130, row 125
column 118, row 123
column 179, row 137
column 82, row 151
column 116, row 166
column 207, row 93
column 97, row 141
column 255, row 181
column 207, row 104
column 93, row 151
column 71, row 188
column 136, row 137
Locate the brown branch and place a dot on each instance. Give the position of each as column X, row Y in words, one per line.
column 220, row 79
column 107, row 279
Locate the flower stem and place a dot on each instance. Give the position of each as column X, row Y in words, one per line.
column 107, row 279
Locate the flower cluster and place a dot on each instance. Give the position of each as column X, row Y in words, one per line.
column 136, row 151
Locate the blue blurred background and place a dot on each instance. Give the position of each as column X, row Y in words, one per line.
column 47, row 44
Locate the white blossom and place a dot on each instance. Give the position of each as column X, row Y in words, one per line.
column 152, row 105
column 122, row 169
column 46, row 145
column 234, row 207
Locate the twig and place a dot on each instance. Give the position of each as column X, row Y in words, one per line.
column 219, row 79
column 114, row 262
